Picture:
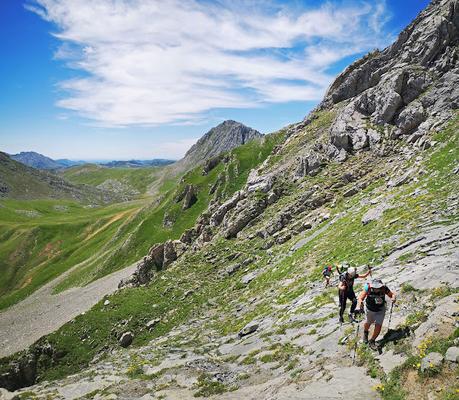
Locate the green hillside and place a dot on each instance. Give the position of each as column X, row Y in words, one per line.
column 42, row 239
column 130, row 179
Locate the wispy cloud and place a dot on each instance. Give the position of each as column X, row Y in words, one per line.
column 150, row 62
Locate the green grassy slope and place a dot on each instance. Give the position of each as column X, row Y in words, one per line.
column 90, row 174
column 40, row 239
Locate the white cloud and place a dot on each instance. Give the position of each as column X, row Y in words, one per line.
column 150, row 62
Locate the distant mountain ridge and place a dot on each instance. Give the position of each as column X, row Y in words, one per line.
column 36, row 160
column 40, row 161
column 156, row 162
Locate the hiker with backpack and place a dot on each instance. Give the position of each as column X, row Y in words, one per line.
column 346, row 291
column 326, row 273
column 374, row 294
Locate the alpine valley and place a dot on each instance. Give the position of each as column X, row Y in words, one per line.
column 203, row 277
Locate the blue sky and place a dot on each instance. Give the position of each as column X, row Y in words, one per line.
column 142, row 79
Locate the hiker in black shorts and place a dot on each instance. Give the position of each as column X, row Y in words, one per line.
column 346, row 291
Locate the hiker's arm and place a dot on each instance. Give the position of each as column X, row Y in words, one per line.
column 361, row 298
column 365, row 275
column 392, row 295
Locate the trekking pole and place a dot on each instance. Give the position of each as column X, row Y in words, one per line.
column 390, row 315
column 356, row 341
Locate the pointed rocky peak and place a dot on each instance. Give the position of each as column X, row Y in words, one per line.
column 220, row 139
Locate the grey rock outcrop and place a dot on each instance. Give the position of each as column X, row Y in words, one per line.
column 159, row 256
column 407, row 89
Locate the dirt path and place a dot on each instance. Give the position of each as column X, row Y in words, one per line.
column 43, row 312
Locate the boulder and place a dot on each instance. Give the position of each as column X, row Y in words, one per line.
column 126, row 339
column 143, row 272
column 452, row 354
column 151, row 324
column 232, row 269
column 375, row 213
column 246, row 279
column 308, row 165
column 6, row 394
column 410, row 118
column 401, row 180
column 431, row 361
column 248, row 329
column 351, row 192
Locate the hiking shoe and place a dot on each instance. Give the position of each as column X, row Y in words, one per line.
column 351, row 318
column 341, row 320
column 365, row 337
column 372, row 344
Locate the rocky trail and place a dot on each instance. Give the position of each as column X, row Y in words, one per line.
column 252, row 363
column 44, row 312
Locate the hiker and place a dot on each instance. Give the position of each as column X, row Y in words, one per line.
column 346, row 291
column 326, row 273
column 374, row 294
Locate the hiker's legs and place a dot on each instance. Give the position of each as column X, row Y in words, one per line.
column 376, row 332
column 342, row 303
column 376, row 317
column 351, row 296
column 369, row 319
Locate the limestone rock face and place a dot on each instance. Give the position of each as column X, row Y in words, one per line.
column 409, row 88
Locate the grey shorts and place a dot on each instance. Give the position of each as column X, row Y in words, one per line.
column 375, row 316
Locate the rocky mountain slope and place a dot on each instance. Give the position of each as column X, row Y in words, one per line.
column 220, row 139
column 235, row 307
